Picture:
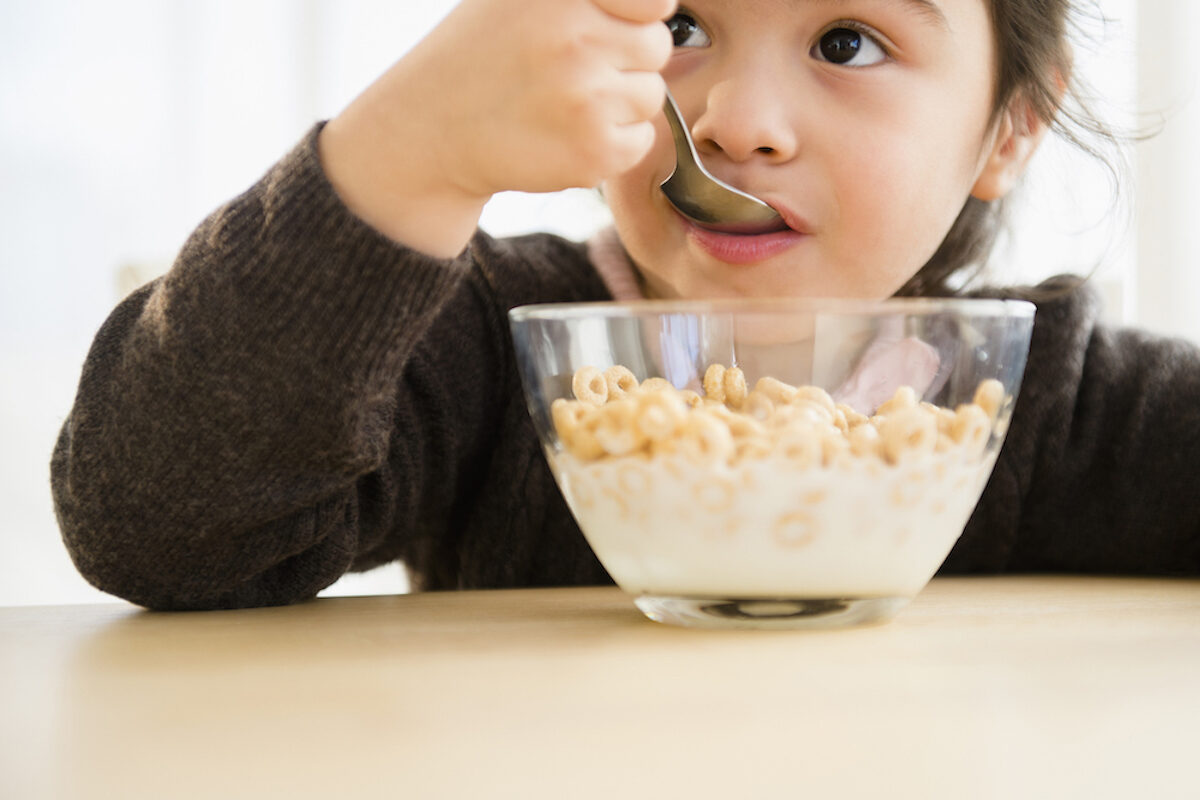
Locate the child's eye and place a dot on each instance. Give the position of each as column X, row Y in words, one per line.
column 848, row 47
column 687, row 32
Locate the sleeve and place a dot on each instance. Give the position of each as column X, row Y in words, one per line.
column 246, row 427
column 1097, row 474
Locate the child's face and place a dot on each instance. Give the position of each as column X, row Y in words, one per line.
column 870, row 160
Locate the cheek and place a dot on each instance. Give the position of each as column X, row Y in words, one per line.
column 907, row 198
column 626, row 200
column 630, row 195
column 638, row 207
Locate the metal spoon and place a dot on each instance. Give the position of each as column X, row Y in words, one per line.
column 704, row 199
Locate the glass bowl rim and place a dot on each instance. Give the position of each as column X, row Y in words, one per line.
column 969, row 306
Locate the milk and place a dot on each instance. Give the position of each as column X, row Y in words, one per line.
column 663, row 524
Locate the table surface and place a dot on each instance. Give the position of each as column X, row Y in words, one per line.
column 982, row 687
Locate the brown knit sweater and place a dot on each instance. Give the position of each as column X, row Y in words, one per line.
column 299, row 397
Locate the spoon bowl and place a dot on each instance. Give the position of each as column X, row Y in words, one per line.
column 703, row 198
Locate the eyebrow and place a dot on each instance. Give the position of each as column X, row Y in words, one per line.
column 929, row 9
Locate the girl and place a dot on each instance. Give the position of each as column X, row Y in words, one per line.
column 324, row 381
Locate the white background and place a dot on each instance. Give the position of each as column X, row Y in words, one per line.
column 123, row 123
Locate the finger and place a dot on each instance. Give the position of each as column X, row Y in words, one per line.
column 641, row 96
column 638, row 10
column 645, row 47
column 629, row 144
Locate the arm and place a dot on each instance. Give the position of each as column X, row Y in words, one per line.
column 1098, row 474
column 237, row 419
column 254, row 423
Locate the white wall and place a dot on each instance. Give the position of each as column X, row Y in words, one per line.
column 1068, row 215
column 1168, row 213
column 123, row 123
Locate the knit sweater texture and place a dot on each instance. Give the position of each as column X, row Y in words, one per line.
column 299, row 397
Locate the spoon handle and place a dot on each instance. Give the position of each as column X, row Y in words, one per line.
column 702, row 197
column 685, row 149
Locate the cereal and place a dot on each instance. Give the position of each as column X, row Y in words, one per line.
column 834, row 448
column 615, row 429
column 905, row 397
column 705, row 438
column 989, row 396
column 590, row 386
column 734, row 384
column 740, row 425
column 614, row 416
column 660, row 414
column 634, row 478
column 776, row 390
column 944, row 417
column 714, row 383
column 582, row 441
column 864, row 440
column 758, row 406
column 814, row 413
column 795, row 530
column 908, row 433
column 567, row 415
column 656, row 385
column 748, row 447
column 852, row 417
column 715, row 495
column 971, row 428
column 816, row 396
column 800, row 448
column 620, row 381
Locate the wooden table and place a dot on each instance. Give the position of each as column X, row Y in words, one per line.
column 983, row 687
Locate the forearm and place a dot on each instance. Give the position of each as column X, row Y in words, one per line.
column 227, row 412
column 385, row 161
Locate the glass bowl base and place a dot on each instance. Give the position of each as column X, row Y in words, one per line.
column 768, row 613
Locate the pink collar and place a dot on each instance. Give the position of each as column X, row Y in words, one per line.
column 609, row 258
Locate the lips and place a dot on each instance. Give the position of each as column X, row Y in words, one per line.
column 748, row 244
column 743, row 228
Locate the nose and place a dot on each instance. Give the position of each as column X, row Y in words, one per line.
column 744, row 119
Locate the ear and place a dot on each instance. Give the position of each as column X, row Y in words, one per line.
column 1015, row 139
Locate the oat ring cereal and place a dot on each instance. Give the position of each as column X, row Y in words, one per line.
column 590, row 386
column 714, row 383
column 971, row 427
column 615, row 415
column 733, row 382
column 907, row 433
column 705, row 438
column 795, row 530
column 615, row 430
column 660, row 414
column 620, row 381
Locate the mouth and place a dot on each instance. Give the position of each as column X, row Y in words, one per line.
column 743, row 228
column 745, row 245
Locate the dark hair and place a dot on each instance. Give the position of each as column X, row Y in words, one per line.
column 1034, row 67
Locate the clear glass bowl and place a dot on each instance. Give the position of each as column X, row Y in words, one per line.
column 827, row 494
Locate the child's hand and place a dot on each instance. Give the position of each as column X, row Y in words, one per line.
column 534, row 96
